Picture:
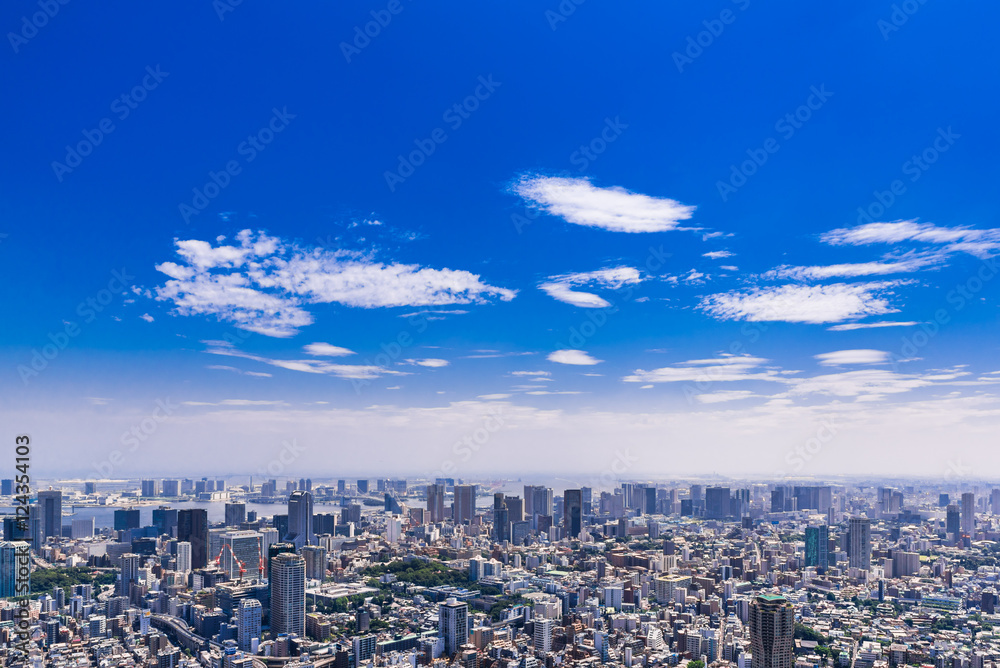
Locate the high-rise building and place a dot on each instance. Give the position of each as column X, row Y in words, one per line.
column 192, row 526
column 464, row 506
column 288, row 594
column 717, row 502
column 7, row 487
column 127, row 518
column 968, row 514
column 184, row 556
column 236, row 514
column 9, row 551
column 50, row 507
column 995, row 501
column 543, row 634
column 240, row 550
column 249, row 617
column 860, row 543
column 165, row 520
column 171, row 488
column 818, row 546
column 435, row 502
column 300, row 519
column 573, row 512
column 515, row 508
column 453, row 624
column 772, row 628
column 149, row 487
column 315, row 557
column 129, row 573
column 953, row 520
column 362, row 486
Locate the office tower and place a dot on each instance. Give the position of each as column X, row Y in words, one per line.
column 362, row 487
column 248, row 621
column 240, row 551
column 647, row 500
column 717, row 502
column 300, row 519
column 341, row 487
column 772, row 627
column 364, row 648
column 129, row 563
column 274, row 550
column 184, row 556
column 953, row 520
column 236, row 514
column 968, row 514
column 9, row 551
column 817, row 546
column 90, row 488
column 435, row 502
column 778, row 500
column 171, row 488
column 165, row 520
column 149, row 487
column 587, row 498
column 127, row 518
column 315, row 557
column 995, row 501
column 543, row 634
column 82, row 529
column 288, row 594
column 943, row 500
column 50, row 507
column 464, row 506
column 860, row 543
column 192, row 527
column 573, row 512
column 453, row 624
column 515, row 508
column 6, row 487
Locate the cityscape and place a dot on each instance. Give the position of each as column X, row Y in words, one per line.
column 555, row 334
column 391, row 572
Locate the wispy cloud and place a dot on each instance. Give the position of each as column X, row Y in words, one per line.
column 349, row 371
column 561, row 287
column 725, row 368
column 814, row 304
column 574, row 357
column 906, row 264
column 846, row 327
column 578, row 201
column 717, row 255
column 433, row 363
column 954, row 239
column 849, row 357
column 263, row 284
column 326, row 350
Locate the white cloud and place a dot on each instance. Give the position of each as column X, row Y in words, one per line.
column 845, row 357
column 955, row 239
column 576, row 357
column 493, row 397
column 530, row 373
column 871, row 325
column 905, row 264
column 717, row 255
column 429, row 362
column 264, row 284
column 580, row 202
column 146, row 317
column 326, row 350
column 800, row 303
column 348, row 371
column 725, row 395
column 560, row 287
column 726, row 368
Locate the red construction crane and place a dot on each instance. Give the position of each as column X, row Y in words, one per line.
column 218, row 559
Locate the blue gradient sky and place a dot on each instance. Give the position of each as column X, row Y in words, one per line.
column 500, row 240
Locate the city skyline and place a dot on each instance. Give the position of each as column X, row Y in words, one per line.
column 808, row 255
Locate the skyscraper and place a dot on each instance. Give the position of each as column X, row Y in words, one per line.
column 435, row 502
column 236, row 514
column 464, row 506
column 50, row 506
column 818, row 546
column 300, row 519
column 968, row 513
column 315, row 557
column 9, row 552
column 192, row 527
column 288, row 594
column 573, row 512
column 249, row 616
column 953, row 520
column 240, row 549
column 149, row 487
column 183, row 556
column 772, row 627
column 860, row 543
column 129, row 573
column 543, row 634
column 453, row 624
column 717, row 502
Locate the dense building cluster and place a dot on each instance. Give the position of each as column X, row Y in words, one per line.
column 354, row 574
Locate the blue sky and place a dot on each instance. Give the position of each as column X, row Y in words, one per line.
column 655, row 227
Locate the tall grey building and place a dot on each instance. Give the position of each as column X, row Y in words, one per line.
column 860, row 545
column 288, row 594
column 50, row 506
column 300, row 519
column 772, row 628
